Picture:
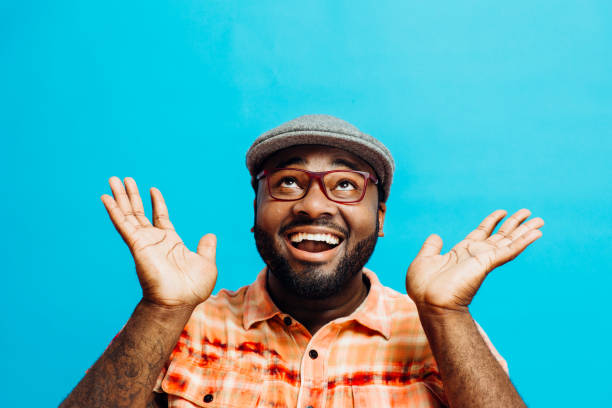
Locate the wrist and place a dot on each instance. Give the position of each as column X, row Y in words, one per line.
column 165, row 313
column 441, row 323
column 438, row 313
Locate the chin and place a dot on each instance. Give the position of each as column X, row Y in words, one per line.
column 310, row 276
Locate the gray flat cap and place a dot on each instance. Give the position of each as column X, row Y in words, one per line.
column 329, row 131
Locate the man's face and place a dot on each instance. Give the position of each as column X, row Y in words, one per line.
column 314, row 268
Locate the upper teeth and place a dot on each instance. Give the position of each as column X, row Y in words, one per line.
column 301, row 236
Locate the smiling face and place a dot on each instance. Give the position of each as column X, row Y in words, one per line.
column 314, row 246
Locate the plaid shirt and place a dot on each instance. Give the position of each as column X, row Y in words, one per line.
column 239, row 350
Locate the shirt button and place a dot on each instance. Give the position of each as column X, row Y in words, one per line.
column 208, row 398
column 313, row 354
column 287, row 321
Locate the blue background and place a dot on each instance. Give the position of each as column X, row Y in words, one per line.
column 483, row 106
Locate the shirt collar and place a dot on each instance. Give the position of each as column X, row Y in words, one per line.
column 372, row 313
column 258, row 303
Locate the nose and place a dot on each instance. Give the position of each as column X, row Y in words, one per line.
column 315, row 204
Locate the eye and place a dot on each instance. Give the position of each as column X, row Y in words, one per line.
column 345, row 185
column 290, row 182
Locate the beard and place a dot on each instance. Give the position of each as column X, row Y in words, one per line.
column 313, row 282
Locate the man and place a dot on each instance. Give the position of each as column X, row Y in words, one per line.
column 316, row 328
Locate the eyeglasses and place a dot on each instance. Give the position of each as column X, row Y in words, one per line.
column 340, row 186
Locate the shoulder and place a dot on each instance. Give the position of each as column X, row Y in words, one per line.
column 397, row 299
column 396, row 307
column 403, row 315
column 406, row 325
column 212, row 318
column 225, row 301
column 223, row 306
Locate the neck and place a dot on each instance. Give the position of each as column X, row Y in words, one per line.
column 316, row 313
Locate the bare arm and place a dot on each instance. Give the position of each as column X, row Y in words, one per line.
column 174, row 281
column 443, row 286
column 471, row 375
column 125, row 374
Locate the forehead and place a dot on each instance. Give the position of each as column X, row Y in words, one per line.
column 319, row 156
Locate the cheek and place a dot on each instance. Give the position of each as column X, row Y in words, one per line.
column 270, row 215
column 361, row 220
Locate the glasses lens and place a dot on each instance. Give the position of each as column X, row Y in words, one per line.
column 288, row 184
column 344, row 186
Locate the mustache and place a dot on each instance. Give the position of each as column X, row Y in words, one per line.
column 319, row 222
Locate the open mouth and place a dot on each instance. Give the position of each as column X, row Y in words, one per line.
column 314, row 242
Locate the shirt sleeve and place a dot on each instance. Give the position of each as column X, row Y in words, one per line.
column 188, row 339
column 158, row 383
column 432, row 380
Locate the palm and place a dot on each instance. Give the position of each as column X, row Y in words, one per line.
column 169, row 273
column 450, row 281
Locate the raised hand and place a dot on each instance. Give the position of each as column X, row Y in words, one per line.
column 170, row 274
column 449, row 282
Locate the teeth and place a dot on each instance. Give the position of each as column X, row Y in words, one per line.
column 301, row 236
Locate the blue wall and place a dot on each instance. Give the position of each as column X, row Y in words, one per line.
column 483, row 106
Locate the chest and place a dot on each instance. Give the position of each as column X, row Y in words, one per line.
column 281, row 365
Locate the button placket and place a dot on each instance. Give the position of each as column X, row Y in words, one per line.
column 313, row 386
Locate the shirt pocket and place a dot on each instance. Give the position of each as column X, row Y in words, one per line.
column 416, row 395
column 210, row 386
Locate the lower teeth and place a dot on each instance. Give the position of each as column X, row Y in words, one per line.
column 313, row 246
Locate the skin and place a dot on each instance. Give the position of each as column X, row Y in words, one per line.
column 443, row 286
column 358, row 219
column 175, row 280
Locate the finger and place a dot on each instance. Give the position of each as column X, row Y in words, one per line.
column 136, row 202
column 487, row 226
column 207, row 246
column 122, row 200
column 431, row 246
column 510, row 225
column 509, row 252
column 532, row 224
column 160, row 211
column 125, row 228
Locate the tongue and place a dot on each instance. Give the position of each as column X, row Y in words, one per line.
column 314, row 246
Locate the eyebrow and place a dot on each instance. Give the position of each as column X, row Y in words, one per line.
column 289, row 162
column 345, row 163
column 336, row 163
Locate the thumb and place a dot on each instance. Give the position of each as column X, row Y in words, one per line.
column 208, row 246
column 431, row 246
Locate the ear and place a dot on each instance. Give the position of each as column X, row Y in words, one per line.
column 382, row 209
column 255, row 212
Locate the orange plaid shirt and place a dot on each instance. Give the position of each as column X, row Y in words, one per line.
column 239, row 350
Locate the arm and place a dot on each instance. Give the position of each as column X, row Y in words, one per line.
column 471, row 375
column 124, row 376
column 442, row 286
column 174, row 281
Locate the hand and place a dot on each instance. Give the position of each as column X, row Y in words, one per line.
column 170, row 274
column 448, row 282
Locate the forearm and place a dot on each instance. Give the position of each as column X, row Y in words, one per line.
column 471, row 375
column 124, row 376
